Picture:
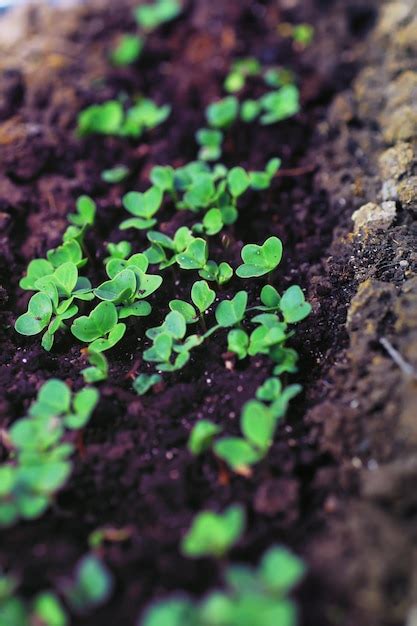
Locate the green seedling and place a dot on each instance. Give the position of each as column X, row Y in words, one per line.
column 202, row 296
column 150, row 16
column 144, row 382
column 195, row 256
column 293, row 305
column 280, row 105
column 45, row 609
column 127, row 50
column 92, row 585
column 100, row 329
column 103, row 119
column 240, row 71
column 260, row 260
column 223, row 113
column 85, row 214
column 250, row 110
column 232, row 312
column 163, row 177
column 213, row 534
column 278, row 77
column 202, row 435
column 238, row 342
column 129, row 285
column 39, row 464
column 143, row 206
column 170, row 350
column 262, row 180
column 54, row 303
column 211, row 144
column 98, row 369
column 119, row 250
column 115, row 175
column 164, row 249
column 238, row 181
column 303, row 34
column 258, row 597
column 221, row 273
column 110, row 118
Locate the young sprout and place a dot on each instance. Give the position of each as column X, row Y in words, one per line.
column 238, row 342
column 262, row 180
column 202, row 435
column 211, row 144
column 103, row 119
column 202, row 296
column 279, row 105
column 170, row 350
column 54, row 303
column 144, row 382
column 143, row 206
column 144, row 115
column 98, row 369
column 119, row 250
column 150, row 16
column 250, row 110
column 231, row 312
column 85, row 213
column 260, row 260
column 293, row 305
column 223, row 113
column 92, row 585
column 213, row 534
column 195, row 256
column 241, row 69
column 100, row 329
column 115, row 174
column 127, row 50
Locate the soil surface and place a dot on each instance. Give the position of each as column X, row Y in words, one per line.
column 338, row 485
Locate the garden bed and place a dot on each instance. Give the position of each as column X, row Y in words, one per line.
column 337, row 484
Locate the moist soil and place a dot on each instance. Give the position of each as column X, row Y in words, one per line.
column 133, row 471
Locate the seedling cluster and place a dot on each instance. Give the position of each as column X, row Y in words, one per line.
column 253, row 596
column 209, row 195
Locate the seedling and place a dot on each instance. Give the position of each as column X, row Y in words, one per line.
column 115, row 175
column 127, row 50
column 54, row 304
column 260, row 260
column 258, row 597
column 92, row 585
column 240, row 71
column 98, row 369
column 202, row 296
column 231, row 312
column 170, row 350
column 119, row 250
column 100, row 329
column 223, row 113
column 202, row 435
column 279, row 105
column 213, row 534
column 144, row 382
column 211, row 144
column 85, row 213
column 143, row 206
column 150, row 16
column 45, row 610
column 293, row 305
column 110, row 118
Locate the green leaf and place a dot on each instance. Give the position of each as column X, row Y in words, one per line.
column 162, row 177
column 37, row 317
column 66, row 276
column 86, row 212
column 195, row 255
column 200, row 193
column 213, row 221
column 100, row 321
column 238, row 181
column 293, row 305
column 144, row 382
column 175, row 325
column 281, row 104
column 143, row 205
column 186, row 310
column 115, row 174
column 270, row 390
column 53, row 399
column 238, row 342
column 148, row 284
column 92, row 587
column 213, row 534
column 127, row 50
column 70, row 251
column 223, row 113
column 105, row 119
column 260, row 260
column 281, row 570
column 172, row 612
column 225, row 273
column 202, row 436
column 270, row 297
column 121, row 288
column 237, row 453
column 258, row 425
column 231, row 312
column 48, row 610
column 114, row 336
column 202, row 296
column 137, row 309
column 250, row 110
column 38, row 268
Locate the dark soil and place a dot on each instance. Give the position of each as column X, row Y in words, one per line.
column 135, row 471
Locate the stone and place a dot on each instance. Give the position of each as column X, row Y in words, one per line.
column 407, row 193
column 396, row 161
column 373, row 216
